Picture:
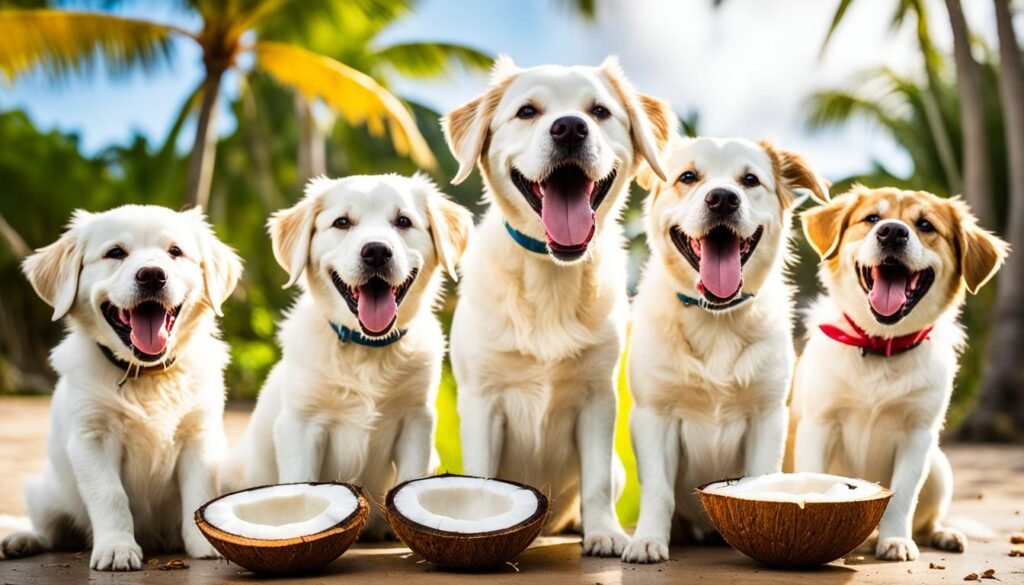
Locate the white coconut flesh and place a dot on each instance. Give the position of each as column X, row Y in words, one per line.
column 465, row 505
column 798, row 488
column 282, row 511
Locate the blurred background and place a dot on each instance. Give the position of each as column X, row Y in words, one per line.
column 233, row 104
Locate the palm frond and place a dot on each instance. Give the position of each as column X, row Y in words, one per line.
column 61, row 43
column 355, row 96
column 837, row 18
column 425, row 59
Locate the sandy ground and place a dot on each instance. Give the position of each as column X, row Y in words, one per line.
column 989, row 489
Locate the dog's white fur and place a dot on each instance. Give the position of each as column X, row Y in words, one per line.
column 879, row 418
column 333, row 411
column 535, row 341
column 709, row 387
column 129, row 465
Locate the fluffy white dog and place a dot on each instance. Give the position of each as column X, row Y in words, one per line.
column 711, row 352
column 352, row 398
column 136, row 424
column 541, row 318
column 873, row 384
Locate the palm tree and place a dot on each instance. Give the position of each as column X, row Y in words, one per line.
column 1000, row 411
column 360, row 49
column 59, row 43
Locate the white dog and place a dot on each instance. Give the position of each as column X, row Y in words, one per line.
column 136, row 424
column 540, row 324
column 711, row 352
column 352, row 398
column 872, row 386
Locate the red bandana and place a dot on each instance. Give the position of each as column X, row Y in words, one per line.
column 887, row 346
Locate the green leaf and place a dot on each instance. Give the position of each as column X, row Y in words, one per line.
column 425, row 59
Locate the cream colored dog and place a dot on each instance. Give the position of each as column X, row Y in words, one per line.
column 711, row 352
column 872, row 386
column 136, row 422
column 352, row 398
column 540, row 323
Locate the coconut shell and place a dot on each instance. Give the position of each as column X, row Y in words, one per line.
column 784, row 535
column 287, row 556
column 462, row 551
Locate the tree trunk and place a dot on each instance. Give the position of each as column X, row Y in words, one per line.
column 312, row 142
column 999, row 414
column 14, row 240
column 977, row 171
column 204, row 149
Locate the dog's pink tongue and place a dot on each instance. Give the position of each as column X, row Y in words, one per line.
column 565, row 209
column 720, row 266
column 377, row 306
column 149, row 328
column 888, row 294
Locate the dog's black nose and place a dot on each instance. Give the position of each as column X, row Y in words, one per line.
column 569, row 130
column 722, row 201
column 892, row 235
column 151, row 278
column 376, row 254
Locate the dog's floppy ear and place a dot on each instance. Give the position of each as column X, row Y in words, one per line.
column 981, row 252
column 291, row 230
column 651, row 120
column 450, row 227
column 792, row 172
column 53, row 271
column 824, row 225
column 467, row 126
column 221, row 265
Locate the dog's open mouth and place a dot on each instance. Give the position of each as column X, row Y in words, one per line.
column 375, row 302
column 567, row 201
column 718, row 257
column 893, row 289
column 145, row 328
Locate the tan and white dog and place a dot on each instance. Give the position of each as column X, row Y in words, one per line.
column 541, row 318
column 352, row 398
column 136, row 425
column 872, row 386
column 711, row 349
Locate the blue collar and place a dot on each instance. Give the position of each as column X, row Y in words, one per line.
column 345, row 335
column 535, row 246
column 692, row 302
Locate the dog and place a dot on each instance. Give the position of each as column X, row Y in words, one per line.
column 540, row 322
column 352, row 398
column 874, row 381
column 711, row 348
column 136, row 428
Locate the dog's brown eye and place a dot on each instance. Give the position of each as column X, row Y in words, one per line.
column 342, row 223
column 600, row 112
column 403, row 222
column 873, row 218
column 175, row 252
column 526, row 112
column 750, row 180
column 925, row 226
column 688, row 177
column 116, row 253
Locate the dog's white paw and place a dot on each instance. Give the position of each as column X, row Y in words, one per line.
column 21, row 544
column 949, row 539
column 608, row 543
column 646, row 550
column 896, row 549
column 116, row 556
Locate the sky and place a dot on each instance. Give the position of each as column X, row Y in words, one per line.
column 747, row 68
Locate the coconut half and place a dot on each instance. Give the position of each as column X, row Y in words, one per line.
column 284, row 529
column 795, row 519
column 464, row 522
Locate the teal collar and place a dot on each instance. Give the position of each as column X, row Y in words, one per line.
column 692, row 302
column 345, row 335
column 531, row 244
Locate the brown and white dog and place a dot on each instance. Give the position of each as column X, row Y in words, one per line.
column 541, row 319
column 873, row 384
column 711, row 350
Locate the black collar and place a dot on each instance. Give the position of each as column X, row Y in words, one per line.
column 689, row 301
column 133, row 370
